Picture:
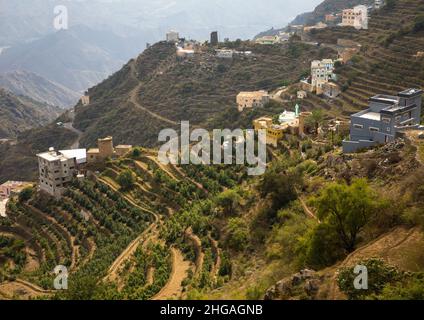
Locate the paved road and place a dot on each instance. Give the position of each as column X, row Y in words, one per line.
column 69, row 126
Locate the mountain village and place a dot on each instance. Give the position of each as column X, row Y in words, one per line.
column 303, row 117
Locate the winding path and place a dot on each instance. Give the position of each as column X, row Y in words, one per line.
column 173, row 288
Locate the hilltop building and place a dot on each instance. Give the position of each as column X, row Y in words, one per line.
column 214, row 38
column 85, row 100
column 185, row 53
column 356, row 17
column 105, row 149
column 56, row 169
column 253, row 99
column 172, row 36
column 384, row 119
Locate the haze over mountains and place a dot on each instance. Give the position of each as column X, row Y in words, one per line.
column 104, row 34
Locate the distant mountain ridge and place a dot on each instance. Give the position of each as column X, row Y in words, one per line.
column 18, row 113
column 24, row 83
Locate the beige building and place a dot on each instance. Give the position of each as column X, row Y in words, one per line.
column 105, row 149
column 302, row 94
column 85, row 100
column 356, row 17
column 122, row 149
column 55, row 171
column 254, row 99
column 331, row 90
column 319, row 25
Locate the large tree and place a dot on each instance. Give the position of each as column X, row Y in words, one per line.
column 347, row 209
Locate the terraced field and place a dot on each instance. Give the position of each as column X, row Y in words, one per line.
column 123, row 241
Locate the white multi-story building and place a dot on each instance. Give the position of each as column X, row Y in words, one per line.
column 356, row 17
column 172, row 36
column 321, row 73
column 56, row 169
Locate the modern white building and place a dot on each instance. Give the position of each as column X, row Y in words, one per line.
column 56, row 169
column 224, row 53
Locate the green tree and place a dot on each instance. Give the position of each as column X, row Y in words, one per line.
column 347, row 209
column 228, row 200
column 315, row 119
column 238, row 233
column 126, row 179
column 26, row 194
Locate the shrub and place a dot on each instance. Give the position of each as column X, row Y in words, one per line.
column 126, row 179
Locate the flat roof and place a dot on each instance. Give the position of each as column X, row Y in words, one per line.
column 51, row 156
column 370, row 115
column 79, row 154
column 384, row 98
column 410, row 92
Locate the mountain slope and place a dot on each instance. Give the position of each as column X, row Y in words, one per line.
column 18, row 114
column 157, row 90
column 40, row 89
column 65, row 57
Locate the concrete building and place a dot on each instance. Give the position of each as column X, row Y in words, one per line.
column 214, row 38
column 384, row 119
column 356, row 17
column 55, row 171
column 321, row 73
column 172, row 36
column 331, row 90
column 254, row 99
column 330, row 17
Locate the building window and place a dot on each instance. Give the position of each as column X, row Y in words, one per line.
column 386, row 120
column 374, row 129
column 358, row 126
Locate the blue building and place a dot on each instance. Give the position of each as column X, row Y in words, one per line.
column 385, row 117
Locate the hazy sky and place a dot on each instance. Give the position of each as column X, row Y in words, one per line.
column 242, row 18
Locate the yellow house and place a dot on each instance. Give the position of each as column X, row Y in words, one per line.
column 274, row 132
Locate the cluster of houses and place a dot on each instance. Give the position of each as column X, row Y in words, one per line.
column 58, row 168
column 288, row 122
column 281, row 37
